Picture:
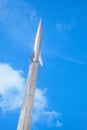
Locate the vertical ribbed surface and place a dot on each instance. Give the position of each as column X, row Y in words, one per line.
column 26, row 111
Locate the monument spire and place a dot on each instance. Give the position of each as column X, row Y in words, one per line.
column 27, row 106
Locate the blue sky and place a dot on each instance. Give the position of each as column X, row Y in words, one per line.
column 61, row 90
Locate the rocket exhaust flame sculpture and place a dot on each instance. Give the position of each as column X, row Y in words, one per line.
column 26, row 111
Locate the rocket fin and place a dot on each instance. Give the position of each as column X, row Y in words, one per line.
column 40, row 60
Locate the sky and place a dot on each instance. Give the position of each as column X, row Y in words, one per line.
column 61, row 91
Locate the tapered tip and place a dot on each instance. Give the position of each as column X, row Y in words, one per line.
column 40, row 23
column 40, row 20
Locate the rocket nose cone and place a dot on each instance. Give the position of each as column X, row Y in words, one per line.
column 40, row 23
column 39, row 32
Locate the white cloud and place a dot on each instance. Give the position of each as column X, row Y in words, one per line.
column 61, row 26
column 12, row 85
column 16, row 10
column 59, row 124
column 18, row 20
column 71, row 59
column 40, row 111
column 58, row 54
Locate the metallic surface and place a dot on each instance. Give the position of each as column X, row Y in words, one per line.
column 26, row 112
column 38, row 42
column 37, row 45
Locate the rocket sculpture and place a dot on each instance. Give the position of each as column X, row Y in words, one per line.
column 27, row 106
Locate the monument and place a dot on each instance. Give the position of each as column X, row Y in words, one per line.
column 27, row 106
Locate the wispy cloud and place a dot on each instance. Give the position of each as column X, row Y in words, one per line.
column 12, row 84
column 59, row 124
column 53, row 53
column 18, row 20
column 16, row 10
column 71, row 59
column 64, row 26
